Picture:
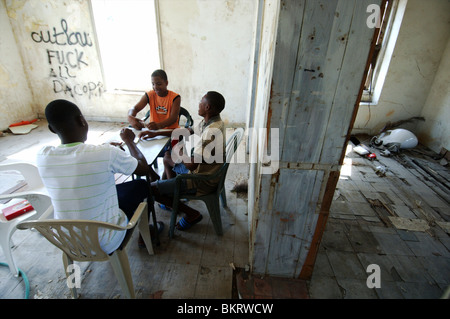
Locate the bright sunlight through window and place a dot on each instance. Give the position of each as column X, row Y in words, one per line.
column 128, row 41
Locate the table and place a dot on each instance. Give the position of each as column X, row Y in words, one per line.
column 150, row 148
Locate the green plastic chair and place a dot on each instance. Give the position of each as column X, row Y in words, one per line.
column 183, row 111
column 189, row 123
column 211, row 200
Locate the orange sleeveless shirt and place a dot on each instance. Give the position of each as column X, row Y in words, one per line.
column 160, row 107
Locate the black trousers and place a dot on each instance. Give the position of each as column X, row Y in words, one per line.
column 131, row 194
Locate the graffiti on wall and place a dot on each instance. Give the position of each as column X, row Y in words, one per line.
column 66, row 59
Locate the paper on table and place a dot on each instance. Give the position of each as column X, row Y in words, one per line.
column 152, row 138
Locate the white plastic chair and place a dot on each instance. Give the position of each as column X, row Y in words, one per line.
column 36, row 194
column 78, row 239
column 30, row 174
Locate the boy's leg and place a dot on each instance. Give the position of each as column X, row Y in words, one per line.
column 168, row 166
column 131, row 194
column 162, row 191
column 153, row 175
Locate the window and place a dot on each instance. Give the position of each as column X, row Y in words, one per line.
column 389, row 27
column 127, row 38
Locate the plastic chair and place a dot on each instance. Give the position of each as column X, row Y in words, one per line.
column 189, row 123
column 78, row 239
column 30, row 174
column 189, row 120
column 211, row 200
column 36, row 194
column 183, row 111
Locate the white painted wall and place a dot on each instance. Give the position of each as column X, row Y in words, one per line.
column 435, row 132
column 16, row 101
column 416, row 60
column 206, row 45
column 64, row 65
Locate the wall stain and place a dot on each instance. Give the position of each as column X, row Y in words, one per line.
column 390, row 113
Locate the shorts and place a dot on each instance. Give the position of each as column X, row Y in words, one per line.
column 167, row 187
column 131, row 194
column 180, row 169
column 167, row 147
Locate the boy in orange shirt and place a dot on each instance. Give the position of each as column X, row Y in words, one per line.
column 164, row 108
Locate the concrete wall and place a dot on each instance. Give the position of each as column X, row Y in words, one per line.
column 435, row 132
column 416, row 60
column 206, row 45
column 16, row 100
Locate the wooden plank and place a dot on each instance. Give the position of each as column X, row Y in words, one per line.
column 380, row 208
column 358, row 41
column 259, row 185
column 261, row 230
column 409, row 224
column 282, row 234
column 310, row 93
column 293, row 222
column 306, row 269
column 291, row 19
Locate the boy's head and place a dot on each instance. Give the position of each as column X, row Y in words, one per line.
column 160, row 82
column 212, row 102
column 65, row 119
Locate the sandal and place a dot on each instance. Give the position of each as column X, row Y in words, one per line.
column 183, row 224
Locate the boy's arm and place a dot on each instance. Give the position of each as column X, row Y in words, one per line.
column 135, row 122
column 191, row 165
column 127, row 136
column 150, row 134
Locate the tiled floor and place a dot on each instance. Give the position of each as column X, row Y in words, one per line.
column 374, row 220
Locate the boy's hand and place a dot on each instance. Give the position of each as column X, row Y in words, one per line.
column 136, row 123
column 147, row 134
column 153, row 126
column 118, row 144
column 127, row 135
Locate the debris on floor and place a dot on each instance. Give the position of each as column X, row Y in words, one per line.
column 22, row 129
column 393, row 141
column 381, row 170
column 362, row 149
column 240, row 187
column 409, row 223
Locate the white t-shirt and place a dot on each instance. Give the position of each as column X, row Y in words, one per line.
column 80, row 181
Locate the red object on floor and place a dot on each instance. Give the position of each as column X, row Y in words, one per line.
column 23, row 123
